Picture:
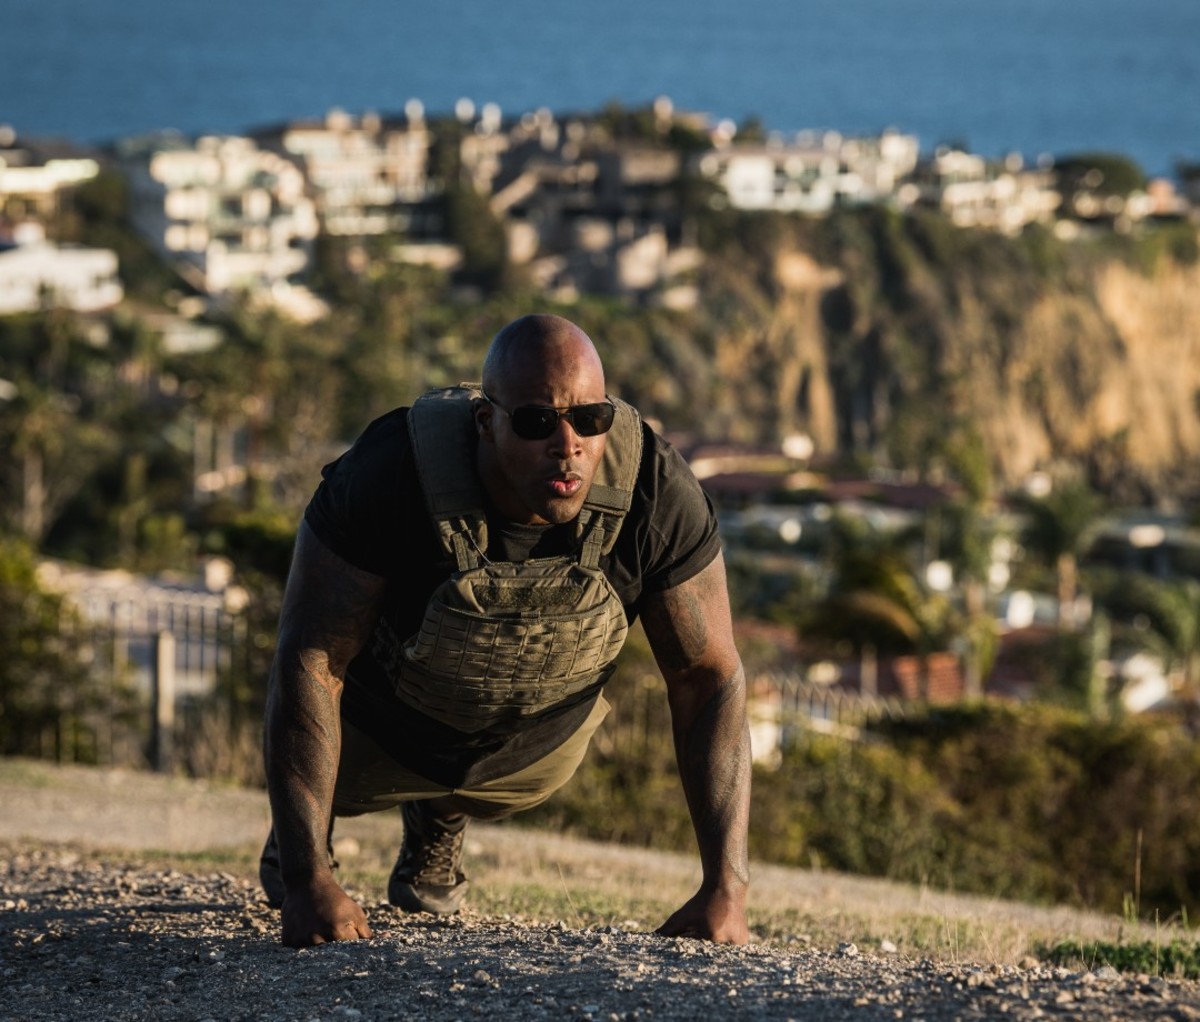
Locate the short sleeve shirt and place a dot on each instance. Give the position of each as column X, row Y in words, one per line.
column 369, row 510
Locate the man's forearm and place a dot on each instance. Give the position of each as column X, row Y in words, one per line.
column 713, row 751
column 302, row 745
column 329, row 608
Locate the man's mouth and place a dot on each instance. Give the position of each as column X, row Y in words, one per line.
column 566, row 484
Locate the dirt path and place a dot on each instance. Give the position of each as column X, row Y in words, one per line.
column 88, row 935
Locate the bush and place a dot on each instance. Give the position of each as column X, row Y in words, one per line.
column 1034, row 803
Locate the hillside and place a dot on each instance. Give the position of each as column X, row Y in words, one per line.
column 918, row 343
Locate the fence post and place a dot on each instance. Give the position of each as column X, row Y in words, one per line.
column 163, row 703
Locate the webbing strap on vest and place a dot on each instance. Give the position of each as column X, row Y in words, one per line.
column 442, row 428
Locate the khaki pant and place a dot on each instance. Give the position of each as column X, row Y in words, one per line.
column 370, row 781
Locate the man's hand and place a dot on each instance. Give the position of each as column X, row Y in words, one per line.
column 322, row 912
column 710, row 915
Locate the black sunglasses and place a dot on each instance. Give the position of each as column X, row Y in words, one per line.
column 536, row 422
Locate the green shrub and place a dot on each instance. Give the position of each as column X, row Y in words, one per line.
column 1178, row 958
column 1036, row 803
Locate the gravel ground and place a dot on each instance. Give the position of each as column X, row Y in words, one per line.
column 88, row 935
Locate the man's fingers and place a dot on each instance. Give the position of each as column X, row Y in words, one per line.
column 352, row 929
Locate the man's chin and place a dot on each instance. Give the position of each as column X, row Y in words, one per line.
column 560, row 511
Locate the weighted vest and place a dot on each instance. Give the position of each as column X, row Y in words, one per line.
column 505, row 640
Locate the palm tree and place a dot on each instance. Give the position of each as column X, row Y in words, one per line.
column 1059, row 528
column 967, row 536
column 876, row 600
column 1160, row 615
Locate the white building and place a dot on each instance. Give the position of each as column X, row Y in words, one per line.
column 974, row 193
column 813, row 173
column 40, row 273
column 362, row 171
column 231, row 216
column 33, row 178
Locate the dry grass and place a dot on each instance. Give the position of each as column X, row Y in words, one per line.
column 540, row 876
column 546, row 877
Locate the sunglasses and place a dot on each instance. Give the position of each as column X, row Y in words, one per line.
column 537, row 422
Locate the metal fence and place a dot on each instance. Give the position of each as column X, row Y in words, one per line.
column 783, row 710
column 155, row 656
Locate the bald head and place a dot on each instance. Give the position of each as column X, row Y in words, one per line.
column 532, row 346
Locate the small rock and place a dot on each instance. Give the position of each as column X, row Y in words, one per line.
column 1156, row 985
column 1106, row 972
column 887, row 947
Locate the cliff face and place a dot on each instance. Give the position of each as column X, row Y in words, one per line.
column 909, row 340
column 1157, row 401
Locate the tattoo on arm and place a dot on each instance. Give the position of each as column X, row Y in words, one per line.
column 679, row 625
column 714, row 763
column 329, row 610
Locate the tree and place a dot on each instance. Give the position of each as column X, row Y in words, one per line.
column 1101, row 173
column 471, row 224
column 967, row 538
column 1058, row 529
column 45, row 687
column 1163, row 616
column 876, row 601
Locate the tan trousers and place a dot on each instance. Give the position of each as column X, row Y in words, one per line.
column 370, row 781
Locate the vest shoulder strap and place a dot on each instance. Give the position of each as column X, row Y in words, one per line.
column 611, row 492
column 442, row 431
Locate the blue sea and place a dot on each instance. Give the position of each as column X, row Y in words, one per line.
column 1028, row 76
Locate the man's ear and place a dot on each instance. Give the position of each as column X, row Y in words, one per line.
column 482, row 411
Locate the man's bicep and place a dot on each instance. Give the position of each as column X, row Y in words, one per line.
column 689, row 626
column 329, row 604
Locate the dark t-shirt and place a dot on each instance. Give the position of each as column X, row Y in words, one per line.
column 370, row 511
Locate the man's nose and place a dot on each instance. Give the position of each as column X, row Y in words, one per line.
column 564, row 438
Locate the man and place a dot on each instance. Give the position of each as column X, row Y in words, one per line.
column 462, row 581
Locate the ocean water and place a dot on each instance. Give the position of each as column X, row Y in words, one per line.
column 1030, row 76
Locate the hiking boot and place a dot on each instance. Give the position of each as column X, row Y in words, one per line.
column 270, row 876
column 428, row 874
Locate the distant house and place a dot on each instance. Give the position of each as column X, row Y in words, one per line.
column 811, row 174
column 365, row 173
column 39, row 274
column 586, row 214
column 34, row 175
column 231, row 216
column 975, row 193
